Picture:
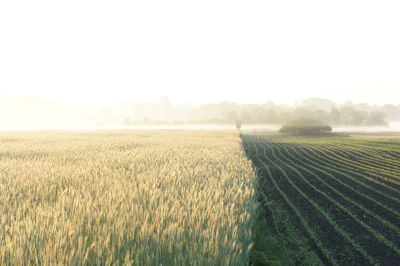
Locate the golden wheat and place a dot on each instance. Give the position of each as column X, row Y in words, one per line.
column 122, row 198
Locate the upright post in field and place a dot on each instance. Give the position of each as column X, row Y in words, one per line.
column 238, row 124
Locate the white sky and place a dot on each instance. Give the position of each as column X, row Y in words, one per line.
column 96, row 52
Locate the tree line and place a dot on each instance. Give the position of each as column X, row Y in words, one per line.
column 347, row 114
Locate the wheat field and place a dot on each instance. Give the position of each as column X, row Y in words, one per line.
column 125, row 198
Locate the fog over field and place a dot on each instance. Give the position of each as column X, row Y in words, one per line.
column 391, row 128
column 213, row 132
column 17, row 112
column 211, row 62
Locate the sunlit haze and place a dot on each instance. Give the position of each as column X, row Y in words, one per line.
column 98, row 52
column 207, row 132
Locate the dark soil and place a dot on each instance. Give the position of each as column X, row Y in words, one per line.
column 341, row 249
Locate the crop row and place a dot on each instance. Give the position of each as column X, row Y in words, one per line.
column 332, row 202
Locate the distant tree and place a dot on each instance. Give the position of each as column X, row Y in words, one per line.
column 377, row 119
column 258, row 115
column 359, row 118
column 231, row 116
column 347, row 114
column 305, row 126
column 391, row 112
column 318, row 103
column 335, row 117
column 271, row 117
column 284, row 117
column 246, row 117
column 300, row 112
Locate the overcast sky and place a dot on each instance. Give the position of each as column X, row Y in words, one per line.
column 96, row 52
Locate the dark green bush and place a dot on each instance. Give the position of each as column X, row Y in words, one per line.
column 305, row 127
